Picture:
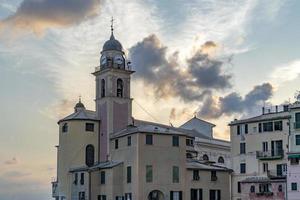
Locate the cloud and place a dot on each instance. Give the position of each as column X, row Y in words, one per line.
column 285, row 72
column 38, row 15
column 234, row 103
column 169, row 79
column 12, row 161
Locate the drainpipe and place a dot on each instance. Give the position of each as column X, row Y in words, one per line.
column 289, row 135
column 90, row 190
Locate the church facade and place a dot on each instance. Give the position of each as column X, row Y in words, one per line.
column 106, row 154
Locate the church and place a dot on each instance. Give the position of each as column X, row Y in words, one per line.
column 107, row 154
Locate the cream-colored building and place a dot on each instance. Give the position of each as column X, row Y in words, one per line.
column 107, row 154
column 258, row 149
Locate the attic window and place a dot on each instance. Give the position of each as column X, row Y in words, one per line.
column 65, row 128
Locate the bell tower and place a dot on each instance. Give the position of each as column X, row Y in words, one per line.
column 113, row 101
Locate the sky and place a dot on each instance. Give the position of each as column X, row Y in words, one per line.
column 219, row 60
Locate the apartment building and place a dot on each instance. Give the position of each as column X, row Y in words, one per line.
column 259, row 160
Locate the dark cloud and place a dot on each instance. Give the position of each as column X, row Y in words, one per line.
column 153, row 66
column 38, row 15
column 208, row 72
column 234, row 103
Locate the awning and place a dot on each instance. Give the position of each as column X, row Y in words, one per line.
column 294, row 156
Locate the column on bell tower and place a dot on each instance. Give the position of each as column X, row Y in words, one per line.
column 113, row 101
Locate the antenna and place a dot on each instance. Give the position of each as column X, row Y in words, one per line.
column 297, row 95
column 112, row 25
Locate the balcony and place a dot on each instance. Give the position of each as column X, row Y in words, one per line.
column 276, row 174
column 267, row 194
column 270, row 155
column 54, row 189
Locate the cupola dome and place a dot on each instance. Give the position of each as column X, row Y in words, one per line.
column 112, row 44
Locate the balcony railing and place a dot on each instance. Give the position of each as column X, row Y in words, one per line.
column 268, row 194
column 276, row 174
column 270, row 155
column 54, row 189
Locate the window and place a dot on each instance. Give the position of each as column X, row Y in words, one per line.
column 259, row 127
column 213, row 175
column 243, row 168
column 189, row 142
column 196, row 176
column 268, row 126
column 242, row 148
column 279, row 188
column 214, row 194
column 294, row 161
column 252, row 189
column 294, row 186
column 65, row 128
column 278, row 126
column 238, row 129
column 265, row 146
column 149, row 173
column 128, row 196
column 205, row 157
column 221, row 159
column 129, row 141
column 175, row 140
column 297, row 138
column 102, row 177
column 76, row 179
column 246, row 128
column 297, row 120
column 175, row 195
column 119, row 88
column 82, row 179
column 239, row 189
column 89, row 155
column 101, row 197
column 129, row 174
column 265, row 167
column 102, row 88
column 89, row 127
column 264, row 187
column 81, row 195
column 116, row 143
column 149, row 139
column 196, row 194
column 175, row 174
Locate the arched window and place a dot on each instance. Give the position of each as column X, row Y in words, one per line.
column 220, row 159
column 102, row 88
column 119, row 88
column 89, row 155
column 205, row 157
column 65, row 128
column 252, row 189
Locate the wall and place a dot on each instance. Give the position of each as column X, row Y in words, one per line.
column 71, row 152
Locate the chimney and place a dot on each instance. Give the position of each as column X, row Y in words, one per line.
column 285, row 108
column 263, row 110
column 276, row 108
